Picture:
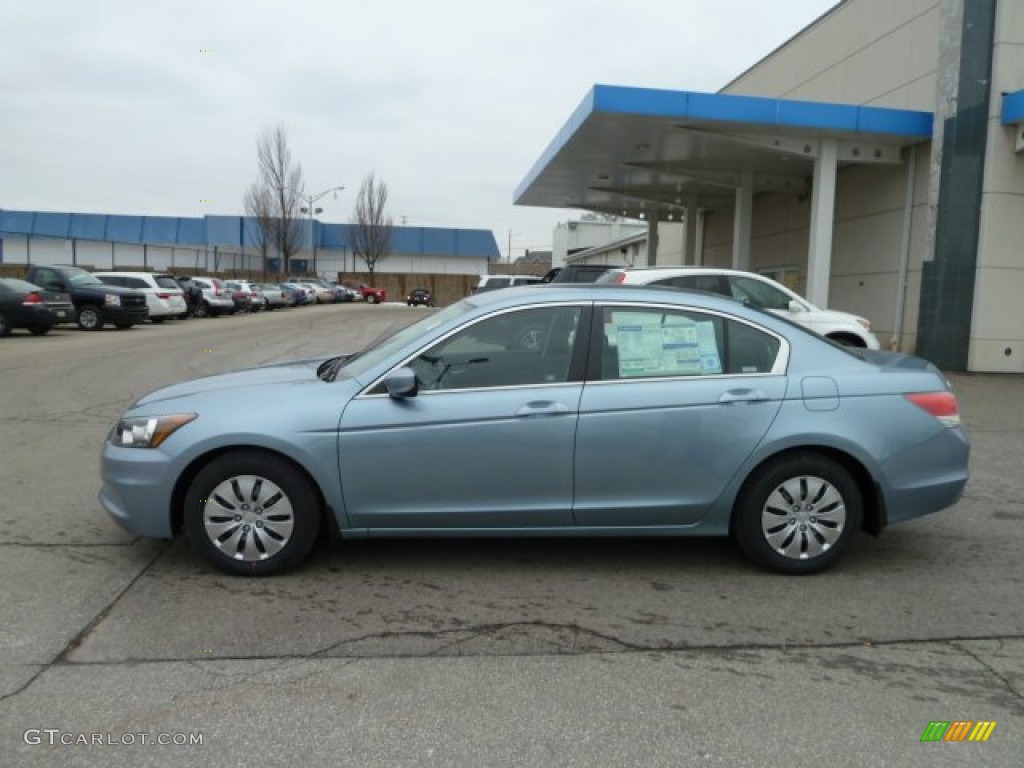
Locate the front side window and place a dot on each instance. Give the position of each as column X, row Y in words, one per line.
column 652, row 342
column 519, row 348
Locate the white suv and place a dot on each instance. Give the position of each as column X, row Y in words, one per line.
column 164, row 296
column 493, row 282
column 842, row 327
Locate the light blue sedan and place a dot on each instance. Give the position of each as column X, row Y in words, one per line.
column 561, row 410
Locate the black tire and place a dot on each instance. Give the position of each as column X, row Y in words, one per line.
column 202, row 309
column 5, row 325
column 798, row 514
column 371, row 299
column 37, row 330
column 90, row 318
column 271, row 542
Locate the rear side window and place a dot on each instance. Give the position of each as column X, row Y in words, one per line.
column 647, row 342
column 166, row 282
column 759, row 294
column 710, row 283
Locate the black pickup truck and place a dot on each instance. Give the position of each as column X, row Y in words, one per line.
column 95, row 302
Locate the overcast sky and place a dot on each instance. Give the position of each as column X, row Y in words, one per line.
column 154, row 106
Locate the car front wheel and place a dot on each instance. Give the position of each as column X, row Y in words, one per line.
column 798, row 514
column 251, row 514
column 90, row 318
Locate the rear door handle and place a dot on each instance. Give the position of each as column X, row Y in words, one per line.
column 743, row 396
column 542, row 408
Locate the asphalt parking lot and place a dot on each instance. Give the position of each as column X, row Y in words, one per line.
column 457, row 653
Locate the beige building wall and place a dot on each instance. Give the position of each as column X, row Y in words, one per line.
column 879, row 53
column 997, row 325
column 871, row 53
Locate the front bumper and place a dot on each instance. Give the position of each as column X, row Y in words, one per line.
column 125, row 315
column 137, row 484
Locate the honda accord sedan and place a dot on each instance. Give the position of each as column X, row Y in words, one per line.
column 634, row 411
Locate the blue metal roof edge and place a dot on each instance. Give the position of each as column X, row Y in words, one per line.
column 732, row 108
column 581, row 113
column 224, row 230
column 1013, row 108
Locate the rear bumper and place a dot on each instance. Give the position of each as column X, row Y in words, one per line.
column 927, row 478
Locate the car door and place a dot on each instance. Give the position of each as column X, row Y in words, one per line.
column 486, row 442
column 675, row 402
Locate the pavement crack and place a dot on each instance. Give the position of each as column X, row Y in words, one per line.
column 992, row 670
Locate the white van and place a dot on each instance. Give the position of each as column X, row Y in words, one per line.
column 493, row 282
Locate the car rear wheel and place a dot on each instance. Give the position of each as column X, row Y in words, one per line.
column 371, row 299
column 799, row 514
column 202, row 309
column 5, row 325
column 251, row 514
column 90, row 318
column 37, row 330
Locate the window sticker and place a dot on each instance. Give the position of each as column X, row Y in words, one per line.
column 679, row 347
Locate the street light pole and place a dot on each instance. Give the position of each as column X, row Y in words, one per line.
column 310, row 200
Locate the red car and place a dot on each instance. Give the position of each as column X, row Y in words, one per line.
column 370, row 294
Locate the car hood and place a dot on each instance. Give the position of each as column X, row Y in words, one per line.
column 296, row 372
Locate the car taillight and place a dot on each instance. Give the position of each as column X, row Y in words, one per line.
column 620, row 278
column 32, row 298
column 942, row 405
column 163, row 295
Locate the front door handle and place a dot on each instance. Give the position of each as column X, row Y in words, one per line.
column 542, row 408
column 743, row 396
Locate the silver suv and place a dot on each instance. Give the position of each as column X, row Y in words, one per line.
column 758, row 290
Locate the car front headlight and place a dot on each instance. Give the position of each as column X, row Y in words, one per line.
column 148, row 431
column 112, row 300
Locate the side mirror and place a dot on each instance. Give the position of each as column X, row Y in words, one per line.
column 401, row 383
column 795, row 306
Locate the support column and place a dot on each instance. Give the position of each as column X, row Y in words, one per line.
column 741, row 221
column 652, row 240
column 690, row 238
column 823, row 210
column 699, row 232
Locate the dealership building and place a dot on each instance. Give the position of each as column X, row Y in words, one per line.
column 875, row 161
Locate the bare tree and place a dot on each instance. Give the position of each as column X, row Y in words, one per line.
column 371, row 233
column 259, row 206
column 276, row 195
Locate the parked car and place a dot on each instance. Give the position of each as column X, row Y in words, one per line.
column 216, row 300
column 576, row 273
column 192, row 292
column 420, row 297
column 96, row 303
column 368, row 293
column 494, row 282
column 164, row 297
column 244, row 295
column 300, row 293
column 26, row 305
column 842, row 327
column 641, row 412
column 321, row 293
column 273, row 295
column 342, row 295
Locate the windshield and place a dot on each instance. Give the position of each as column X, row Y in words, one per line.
column 388, row 343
